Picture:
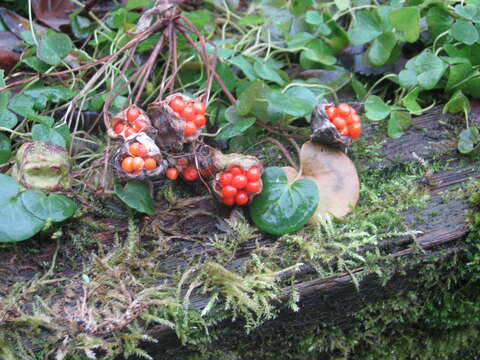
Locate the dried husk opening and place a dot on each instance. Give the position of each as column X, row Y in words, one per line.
column 324, row 132
column 121, row 117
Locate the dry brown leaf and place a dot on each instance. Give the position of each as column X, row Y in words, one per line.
column 335, row 175
column 8, row 59
column 53, row 13
column 17, row 24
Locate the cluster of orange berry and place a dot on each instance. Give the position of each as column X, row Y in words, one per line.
column 133, row 125
column 193, row 112
column 345, row 119
column 238, row 185
column 138, row 159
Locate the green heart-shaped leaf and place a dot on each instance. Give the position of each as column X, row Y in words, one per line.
column 16, row 222
column 5, row 148
column 53, row 207
column 376, row 109
column 137, row 196
column 283, row 207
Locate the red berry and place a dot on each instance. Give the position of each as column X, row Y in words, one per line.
column 253, row 187
column 344, row 131
column 172, row 173
column 127, row 164
column 199, row 107
column 239, row 181
column 150, row 164
column 241, row 198
column 189, row 129
column 354, row 118
column 355, row 129
column 118, row 128
column 235, row 170
column 190, row 174
column 133, row 114
column 226, row 179
column 229, row 191
column 344, row 110
column 332, row 112
column 129, row 132
column 254, row 174
column 177, row 104
column 188, row 114
column 139, row 125
column 229, row 201
column 200, row 120
column 182, row 162
column 339, row 123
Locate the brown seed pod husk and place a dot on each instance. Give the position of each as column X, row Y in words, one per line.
column 121, row 118
column 324, row 132
column 169, row 124
column 153, row 152
column 335, row 175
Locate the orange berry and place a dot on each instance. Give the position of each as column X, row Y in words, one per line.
column 177, row 104
column 344, row 110
column 172, row 173
column 139, row 125
column 229, row 191
column 190, row 174
column 188, row 114
column 339, row 123
column 236, row 170
column 137, row 164
column 199, row 107
column 332, row 112
column 129, row 132
column 254, row 174
column 200, row 120
column 137, row 149
column 150, row 164
column 354, row 118
column 253, row 187
column 239, row 181
column 355, row 129
column 228, row 201
column 241, row 198
column 127, row 164
column 182, row 162
column 226, row 179
column 133, row 114
column 189, row 129
column 118, row 128
column 344, row 131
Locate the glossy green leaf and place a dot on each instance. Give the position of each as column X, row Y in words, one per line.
column 382, row 48
column 200, row 18
column 7, row 119
column 235, row 129
column 42, row 132
column 244, row 65
column 298, row 7
column 407, row 20
column 410, row 102
column 457, row 103
column 283, row 207
column 137, row 196
column 359, row 88
column 398, row 122
column 54, row 47
column 36, row 64
column 466, row 11
column 12, row 212
column 53, row 207
column 457, row 73
column 366, row 27
column 319, row 52
column 464, row 32
column 40, row 95
column 299, row 40
column 438, row 20
column 425, row 69
column 253, row 100
column 22, row 105
column 467, row 140
column 267, row 72
column 375, row 108
column 251, row 20
column 288, row 104
column 5, row 148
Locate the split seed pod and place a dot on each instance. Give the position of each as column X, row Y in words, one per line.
column 138, row 158
column 335, row 175
column 128, row 122
column 170, row 126
column 324, row 132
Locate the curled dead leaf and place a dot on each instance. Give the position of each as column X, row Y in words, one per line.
column 53, row 13
column 335, row 175
column 8, row 59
